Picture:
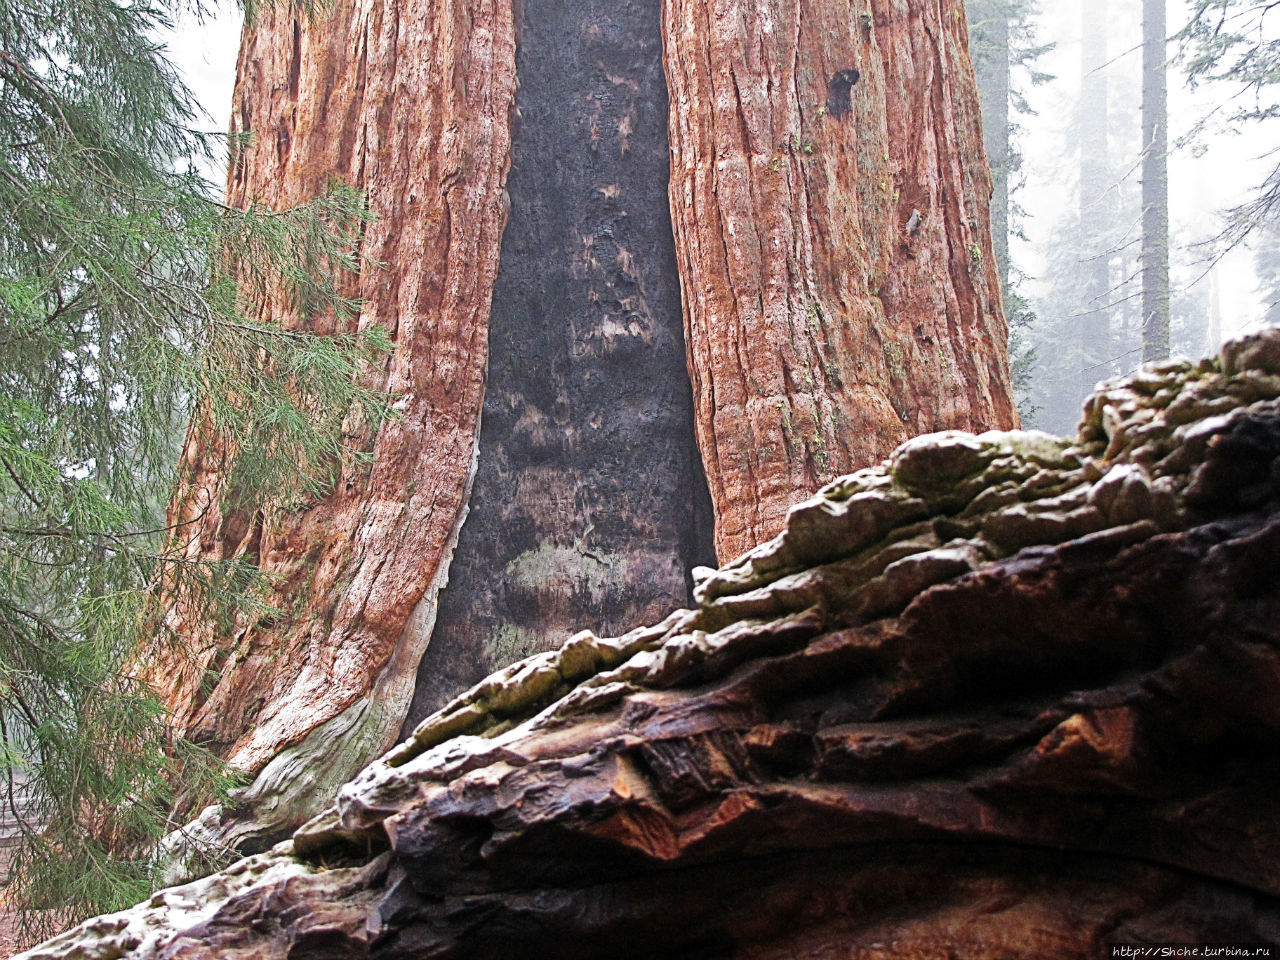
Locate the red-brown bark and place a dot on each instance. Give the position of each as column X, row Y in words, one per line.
column 829, row 194
column 411, row 104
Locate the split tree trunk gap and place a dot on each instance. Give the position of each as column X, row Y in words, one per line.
column 590, row 505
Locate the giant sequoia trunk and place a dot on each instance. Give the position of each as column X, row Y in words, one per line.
column 1006, row 696
column 825, row 221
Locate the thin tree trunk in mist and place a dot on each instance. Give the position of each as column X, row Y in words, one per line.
column 1215, row 314
column 1095, row 294
column 1155, row 184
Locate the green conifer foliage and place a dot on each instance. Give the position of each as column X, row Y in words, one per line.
column 1234, row 42
column 129, row 301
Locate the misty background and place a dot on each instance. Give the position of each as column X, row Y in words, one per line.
column 1055, row 117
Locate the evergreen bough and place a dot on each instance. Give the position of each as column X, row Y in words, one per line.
column 1235, row 42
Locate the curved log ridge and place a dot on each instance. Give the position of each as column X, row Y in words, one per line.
column 830, row 201
column 1003, row 696
column 321, row 681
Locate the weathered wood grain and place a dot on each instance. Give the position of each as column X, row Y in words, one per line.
column 1004, row 697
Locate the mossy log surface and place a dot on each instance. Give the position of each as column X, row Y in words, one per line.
column 1002, row 696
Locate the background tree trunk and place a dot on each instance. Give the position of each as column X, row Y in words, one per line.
column 827, row 223
column 1097, row 194
column 1155, row 184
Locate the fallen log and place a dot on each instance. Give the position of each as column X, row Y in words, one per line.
column 1003, row 696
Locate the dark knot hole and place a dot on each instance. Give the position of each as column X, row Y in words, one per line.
column 838, row 101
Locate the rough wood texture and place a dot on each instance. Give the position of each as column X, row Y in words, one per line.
column 1004, row 697
column 830, row 201
column 419, row 119
column 590, row 505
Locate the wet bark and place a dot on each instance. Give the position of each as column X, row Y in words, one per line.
column 830, row 204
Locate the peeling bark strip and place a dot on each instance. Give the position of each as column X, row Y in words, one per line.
column 420, row 119
column 830, row 206
column 590, row 503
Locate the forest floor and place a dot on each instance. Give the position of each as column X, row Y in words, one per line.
column 9, row 944
column 10, row 940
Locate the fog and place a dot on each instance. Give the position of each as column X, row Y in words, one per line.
column 204, row 51
column 1216, row 171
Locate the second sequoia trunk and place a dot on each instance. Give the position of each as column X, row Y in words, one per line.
column 831, row 208
column 817, row 193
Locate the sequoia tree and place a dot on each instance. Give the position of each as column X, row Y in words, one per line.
column 747, row 248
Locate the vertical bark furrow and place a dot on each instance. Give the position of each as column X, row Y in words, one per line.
column 832, row 233
column 351, row 95
column 588, row 505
